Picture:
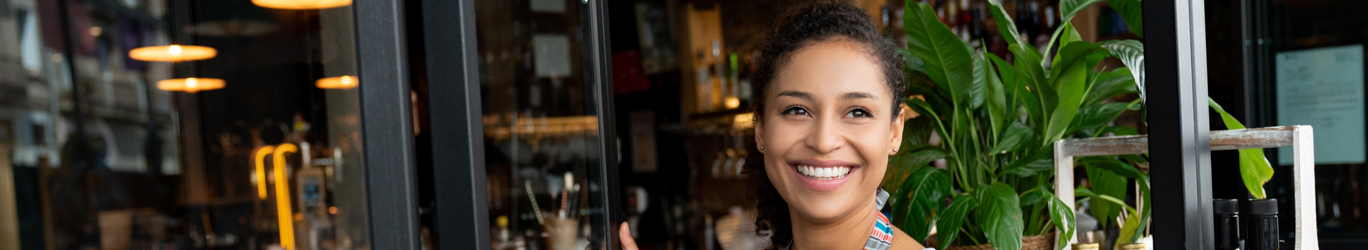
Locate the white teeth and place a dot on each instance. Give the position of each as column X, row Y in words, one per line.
column 822, row 173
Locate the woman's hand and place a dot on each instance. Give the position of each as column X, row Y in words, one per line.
column 625, row 234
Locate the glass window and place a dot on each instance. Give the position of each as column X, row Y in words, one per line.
column 200, row 124
column 540, row 109
column 1297, row 63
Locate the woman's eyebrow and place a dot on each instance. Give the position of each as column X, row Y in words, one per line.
column 797, row 94
column 857, row 95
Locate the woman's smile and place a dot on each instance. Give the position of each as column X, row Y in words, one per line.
column 823, row 175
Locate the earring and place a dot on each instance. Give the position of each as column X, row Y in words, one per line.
column 762, row 147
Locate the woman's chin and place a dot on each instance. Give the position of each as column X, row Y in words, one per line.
column 823, row 210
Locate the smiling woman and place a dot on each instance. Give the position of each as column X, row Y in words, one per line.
column 827, row 118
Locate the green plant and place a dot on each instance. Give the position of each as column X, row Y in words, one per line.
column 998, row 122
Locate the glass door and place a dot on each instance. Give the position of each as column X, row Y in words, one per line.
column 541, row 111
column 518, row 108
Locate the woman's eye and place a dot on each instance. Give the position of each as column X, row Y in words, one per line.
column 859, row 113
column 795, row 111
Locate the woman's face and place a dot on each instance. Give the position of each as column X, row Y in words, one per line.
column 827, row 130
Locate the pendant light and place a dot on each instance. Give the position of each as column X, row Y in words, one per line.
column 337, row 82
column 301, row 4
column 172, row 53
column 190, row 85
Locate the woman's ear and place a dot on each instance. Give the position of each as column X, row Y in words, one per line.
column 759, row 135
column 896, row 133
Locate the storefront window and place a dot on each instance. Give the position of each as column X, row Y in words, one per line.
column 1297, row 63
column 198, row 124
column 543, row 150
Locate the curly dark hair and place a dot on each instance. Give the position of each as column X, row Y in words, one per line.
column 798, row 28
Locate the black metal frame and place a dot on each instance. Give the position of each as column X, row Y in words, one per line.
column 600, row 54
column 386, row 124
column 1180, row 146
column 458, row 160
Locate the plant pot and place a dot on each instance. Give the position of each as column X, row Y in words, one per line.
column 1038, row 242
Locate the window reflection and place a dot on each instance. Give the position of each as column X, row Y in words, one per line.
column 254, row 146
column 540, row 124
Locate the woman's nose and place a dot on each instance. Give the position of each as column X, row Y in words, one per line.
column 825, row 137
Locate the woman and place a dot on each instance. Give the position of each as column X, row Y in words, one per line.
column 827, row 119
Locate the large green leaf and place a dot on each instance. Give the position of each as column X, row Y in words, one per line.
column 1033, row 196
column 1069, row 8
column 1000, row 216
column 917, row 132
column 1071, row 83
column 1254, row 168
column 1132, row 54
column 1105, row 182
column 925, row 108
column 1063, row 219
column 918, row 156
column 902, row 164
column 1111, row 84
column 1129, row 230
column 996, row 94
column 978, row 91
column 1066, row 35
column 1011, row 83
column 948, row 60
column 929, row 188
column 1031, row 78
column 1040, row 161
column 1094, row 117
column 1130, row 11
column 1117, row 167
column 1111, row 164
column 913, row 62
column 1006, row 26
column 954, row 216
column 1014, row 138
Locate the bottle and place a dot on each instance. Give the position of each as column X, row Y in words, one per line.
column 1263, row 225
column 1227, row 223
column 503, row 241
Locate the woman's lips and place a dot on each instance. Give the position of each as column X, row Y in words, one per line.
column 823, row 175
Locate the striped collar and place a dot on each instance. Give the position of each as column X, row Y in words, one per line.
column 881, row 238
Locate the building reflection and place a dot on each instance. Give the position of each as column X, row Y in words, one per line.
column 119, row 131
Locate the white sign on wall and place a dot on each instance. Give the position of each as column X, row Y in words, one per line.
column 1323, row 88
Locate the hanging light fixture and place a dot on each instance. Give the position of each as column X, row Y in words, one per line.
column 172, row 53
column 337, row 82
column 301, row 4
column 190, row 85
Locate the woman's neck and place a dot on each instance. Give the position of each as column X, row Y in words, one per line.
column 848, row 232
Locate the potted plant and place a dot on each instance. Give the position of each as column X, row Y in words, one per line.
column 996, row 176
column 997, row 122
